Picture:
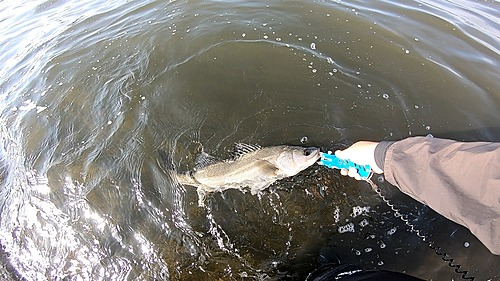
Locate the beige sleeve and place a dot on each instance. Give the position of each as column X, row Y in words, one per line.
column 459, row 180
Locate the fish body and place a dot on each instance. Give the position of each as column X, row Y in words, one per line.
column 251, row 166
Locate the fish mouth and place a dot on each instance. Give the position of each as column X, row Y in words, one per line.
column 312, row 152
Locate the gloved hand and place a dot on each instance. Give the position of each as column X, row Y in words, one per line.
column 362, row 153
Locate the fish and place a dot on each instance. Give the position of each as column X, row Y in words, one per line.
column 250, row 166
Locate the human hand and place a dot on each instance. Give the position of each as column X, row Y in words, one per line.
column 362, row 153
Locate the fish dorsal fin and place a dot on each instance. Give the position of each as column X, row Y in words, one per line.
column 241, row 149
column 204, row 159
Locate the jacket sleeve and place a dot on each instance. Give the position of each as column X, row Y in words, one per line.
column 459, row 180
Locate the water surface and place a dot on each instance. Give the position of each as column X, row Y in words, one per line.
column 90, row 91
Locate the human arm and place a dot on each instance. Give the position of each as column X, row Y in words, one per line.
column 459, row 180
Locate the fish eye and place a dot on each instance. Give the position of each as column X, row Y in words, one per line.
column 307, row 152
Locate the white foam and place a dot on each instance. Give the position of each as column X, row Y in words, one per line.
column 347, row 228
column 336, row 214
column 28, row 105
column 358, row 210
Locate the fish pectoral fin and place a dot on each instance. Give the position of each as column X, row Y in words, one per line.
column 267, row 168
column 270, row 173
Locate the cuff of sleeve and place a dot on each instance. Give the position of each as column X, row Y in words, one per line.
column 380, row 151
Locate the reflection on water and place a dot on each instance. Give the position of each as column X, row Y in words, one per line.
column 92, row 90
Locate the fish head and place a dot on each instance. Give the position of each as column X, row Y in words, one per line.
column 294, row 159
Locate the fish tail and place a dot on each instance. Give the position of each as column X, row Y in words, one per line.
column 167, row 163
column 186, row 179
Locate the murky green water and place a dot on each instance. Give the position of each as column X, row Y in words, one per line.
column 90, row 91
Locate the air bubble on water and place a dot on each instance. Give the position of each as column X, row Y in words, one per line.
column 385, row 96
column 336, row 214
column 416, row 39
column 265, row 36
column 380, row 263
column 278, row 39
column 322, row 190
column 307, row 192
column 427, row 128
column 416, row 106
column 367, row 250
column 364, row 223
column 466, row 244
column 382, row 245
column 381, row 179
column 329, row 60
column 314, row 70
column 243, row 34
column 359, row 86
column 303, row 139
column 313, row 46
column 407, row 51
column 334, row 70
column 346, row 228
column 392, row 231
column 357, row 252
